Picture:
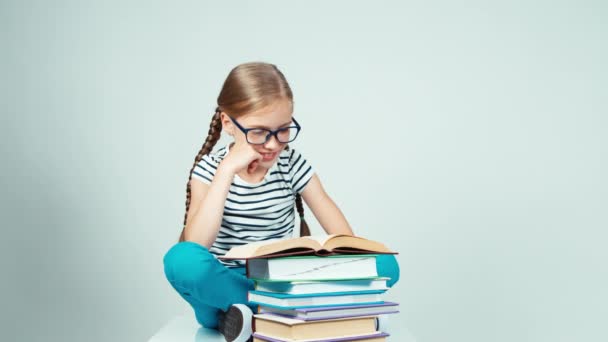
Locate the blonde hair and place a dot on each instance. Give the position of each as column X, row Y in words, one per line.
column 248, row 87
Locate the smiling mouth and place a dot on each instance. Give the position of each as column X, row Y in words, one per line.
column 268, row 156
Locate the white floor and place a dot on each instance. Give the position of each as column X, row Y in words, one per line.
column 185, row 328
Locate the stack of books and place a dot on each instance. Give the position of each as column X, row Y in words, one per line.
column 316, row 288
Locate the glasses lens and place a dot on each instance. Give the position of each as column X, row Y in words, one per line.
column 287, row 134
column 257, row 136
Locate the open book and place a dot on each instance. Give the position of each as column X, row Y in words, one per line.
column 308, row 245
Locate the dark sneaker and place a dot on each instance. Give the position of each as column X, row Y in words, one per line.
column 235, row 324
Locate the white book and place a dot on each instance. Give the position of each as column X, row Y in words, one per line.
column 336, row 267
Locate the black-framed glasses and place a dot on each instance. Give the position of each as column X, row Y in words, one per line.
column 259, row 136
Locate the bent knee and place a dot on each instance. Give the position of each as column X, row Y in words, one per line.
column 388, row 266
column 186, row 260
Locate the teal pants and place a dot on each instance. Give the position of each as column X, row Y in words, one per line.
column 209, row 286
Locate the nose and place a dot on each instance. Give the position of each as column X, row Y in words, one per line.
column 272, row 143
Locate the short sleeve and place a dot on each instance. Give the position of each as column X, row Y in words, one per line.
column 300, row 171
column 205, row 169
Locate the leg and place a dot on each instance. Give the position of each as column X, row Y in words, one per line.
column 206, row 284
column 387, row 266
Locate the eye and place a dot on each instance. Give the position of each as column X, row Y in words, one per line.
column 258, row 133
column 287, row 134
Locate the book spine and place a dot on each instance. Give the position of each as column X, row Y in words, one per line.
column 310, row 306
column 332, row 316
column 309, row 295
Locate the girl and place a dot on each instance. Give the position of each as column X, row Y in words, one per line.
column 245, row 192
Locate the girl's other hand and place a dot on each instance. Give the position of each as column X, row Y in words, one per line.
column 243, row 157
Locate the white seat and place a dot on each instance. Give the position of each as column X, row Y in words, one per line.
column 185, row 328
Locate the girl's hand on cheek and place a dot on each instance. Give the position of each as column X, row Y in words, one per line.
column 243, row 157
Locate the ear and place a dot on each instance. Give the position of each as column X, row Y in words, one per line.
column 227, row 124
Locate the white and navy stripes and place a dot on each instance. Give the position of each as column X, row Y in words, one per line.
column 261, row 211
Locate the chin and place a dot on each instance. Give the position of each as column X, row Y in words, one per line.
column 268, row 164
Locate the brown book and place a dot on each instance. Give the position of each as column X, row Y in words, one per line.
column 284, row 328
column 308, row 245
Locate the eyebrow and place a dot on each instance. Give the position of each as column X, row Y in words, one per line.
column 266, row 127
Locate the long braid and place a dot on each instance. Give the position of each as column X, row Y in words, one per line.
column 304, row 230
column 215, row 130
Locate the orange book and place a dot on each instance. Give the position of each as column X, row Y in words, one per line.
column 284, row 328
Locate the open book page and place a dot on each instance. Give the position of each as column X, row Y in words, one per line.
column 320, row 239
column 334, row 243
column 246, row 250
column 255, row 249
column 346, row 243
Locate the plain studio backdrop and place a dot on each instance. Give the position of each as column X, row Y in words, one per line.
column 469, row 136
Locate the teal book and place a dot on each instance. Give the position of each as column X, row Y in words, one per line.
column 290, row 301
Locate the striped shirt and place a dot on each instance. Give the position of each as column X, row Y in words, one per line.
column 260, row 211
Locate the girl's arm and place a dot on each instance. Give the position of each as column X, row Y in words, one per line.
column 325, row 210
column 205, row 224
column 207, row 208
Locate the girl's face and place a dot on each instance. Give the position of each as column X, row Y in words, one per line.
column 273, row 117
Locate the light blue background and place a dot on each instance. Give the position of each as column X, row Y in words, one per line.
column 470, row 136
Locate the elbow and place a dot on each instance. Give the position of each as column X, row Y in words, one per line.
column 187, row 236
